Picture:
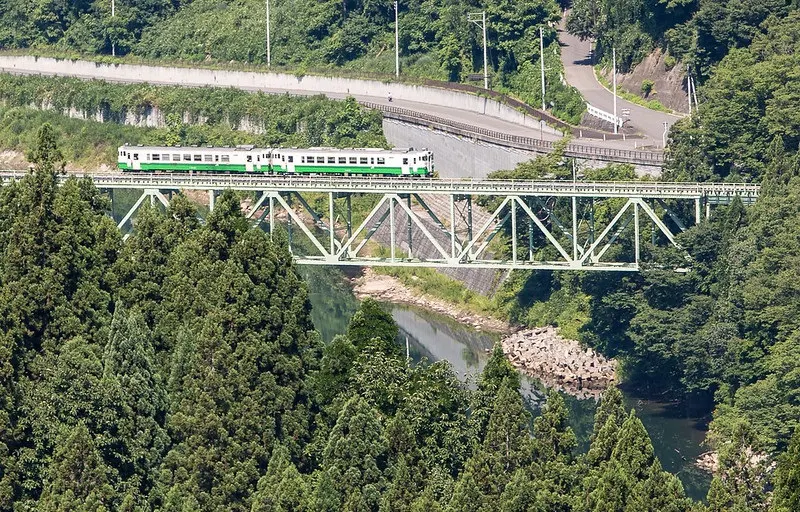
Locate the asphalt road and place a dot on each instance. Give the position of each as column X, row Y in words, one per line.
column 579, row 73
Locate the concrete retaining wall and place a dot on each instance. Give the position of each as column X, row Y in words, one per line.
column 268, row 82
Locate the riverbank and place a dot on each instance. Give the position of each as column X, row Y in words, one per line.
column 561, row 363
column 390, row 289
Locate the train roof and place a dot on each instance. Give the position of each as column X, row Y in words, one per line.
column 246, row 149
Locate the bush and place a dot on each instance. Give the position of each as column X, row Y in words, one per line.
column 647, row 87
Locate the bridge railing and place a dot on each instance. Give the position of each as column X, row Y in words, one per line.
column 652, row 158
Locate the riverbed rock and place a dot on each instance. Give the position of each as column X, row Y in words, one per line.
column 542, row 353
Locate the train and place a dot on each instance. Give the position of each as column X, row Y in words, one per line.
column 276, row 161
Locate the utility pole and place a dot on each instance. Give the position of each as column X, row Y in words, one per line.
column 614, row 65
column 689, row 87
column 113, row 44
column 541, row 59
column 479, row 18
column 396, row 41
column 269, row 41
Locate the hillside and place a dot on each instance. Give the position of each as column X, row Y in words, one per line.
column 436, row 39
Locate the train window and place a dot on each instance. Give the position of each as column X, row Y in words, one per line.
column 258, row 158
column 147, row 156
column 176, row 157
column 405, row 161
column 415, row 160
column 381, row 160
column 291, row 159
column 165, row 157
column 216, row 158
column 187, row 158
column 320, row 159
column 309, row 159
column 156, row 158
column 353, row 160
column 136, row 156
column 249, row 158
column 331, row 159
column 342, row 159
column 198, row 158
column 225, row 158
column 208, row 158
column 372, row 160
column 363, row 160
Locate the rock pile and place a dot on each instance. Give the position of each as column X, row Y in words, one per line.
column 542, row 353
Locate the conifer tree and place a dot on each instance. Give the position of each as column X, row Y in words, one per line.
column 787, row 478
column 372, row 326
column 467, row 495
column 282, row 488
column 77, row 479
column 506, row 448
column 129, row 363
column 356, row 456
column 497, row 371
column 553, row 437
column 607, row 421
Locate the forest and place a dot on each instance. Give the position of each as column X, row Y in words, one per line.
column 180, row 371
column 436, row 39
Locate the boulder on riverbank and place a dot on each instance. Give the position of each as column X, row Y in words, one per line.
column 542, row 353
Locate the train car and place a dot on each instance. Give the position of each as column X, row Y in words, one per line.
column 249, row 159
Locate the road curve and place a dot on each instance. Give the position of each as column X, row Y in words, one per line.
column 579, row 73
column 492, row 116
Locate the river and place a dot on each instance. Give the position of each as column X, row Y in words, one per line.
column 677, row 437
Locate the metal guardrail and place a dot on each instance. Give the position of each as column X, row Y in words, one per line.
column 650, row 158
column 378, row 184
column 602, row 114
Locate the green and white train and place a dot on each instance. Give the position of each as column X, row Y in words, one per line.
column 249, row 159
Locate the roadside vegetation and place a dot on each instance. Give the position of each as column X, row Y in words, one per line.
column 308, row 36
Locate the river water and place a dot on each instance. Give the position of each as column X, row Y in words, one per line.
column 677, row 438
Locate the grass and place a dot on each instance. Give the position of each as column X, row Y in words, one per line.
column 629, row 96
column 436, row 284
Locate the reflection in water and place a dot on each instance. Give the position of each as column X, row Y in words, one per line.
column 676, row 437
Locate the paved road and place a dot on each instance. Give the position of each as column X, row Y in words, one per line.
column 580, row 74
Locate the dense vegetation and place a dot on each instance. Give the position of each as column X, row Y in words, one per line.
column 180, row 371
column 198, row 116
column 436, row 39
column 699, row 33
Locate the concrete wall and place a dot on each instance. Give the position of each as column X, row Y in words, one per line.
column 454, row 157
column 268, row 82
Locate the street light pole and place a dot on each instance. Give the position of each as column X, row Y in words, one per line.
column 113, row 44
column 541, row 58
column 396, row 41
column 614, row 65
column 269, row 41
column 473, row 17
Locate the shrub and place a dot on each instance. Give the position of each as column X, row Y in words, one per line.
column 647, row 87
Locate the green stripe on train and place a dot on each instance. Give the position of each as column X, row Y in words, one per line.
column 299, row 169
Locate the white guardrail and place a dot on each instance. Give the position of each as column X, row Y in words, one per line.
column 602, row 114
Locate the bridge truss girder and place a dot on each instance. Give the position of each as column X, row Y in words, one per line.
column 562, row 232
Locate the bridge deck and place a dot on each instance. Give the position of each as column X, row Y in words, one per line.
column 381, row 185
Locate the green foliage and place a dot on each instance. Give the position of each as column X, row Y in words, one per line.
column 787, row 478
column 373, row 326
column 647, row 87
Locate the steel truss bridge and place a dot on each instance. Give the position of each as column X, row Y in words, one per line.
column 433, row 222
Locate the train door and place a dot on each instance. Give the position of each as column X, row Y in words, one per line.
column 289, row 164
column 406, row 168
column 136, row 163
column 249, row 164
